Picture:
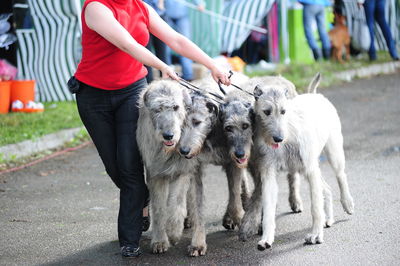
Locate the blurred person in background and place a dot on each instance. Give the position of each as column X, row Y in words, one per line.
column 177, row 16
column 314, row 10
column 159, row 47
column 375, row 10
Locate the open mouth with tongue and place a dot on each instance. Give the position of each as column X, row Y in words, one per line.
column 275, row 145
column 169, row 143
column 241, row 160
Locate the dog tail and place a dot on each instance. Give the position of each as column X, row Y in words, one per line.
column 312, row 87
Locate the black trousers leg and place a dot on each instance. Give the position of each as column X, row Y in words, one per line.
column 111, row 120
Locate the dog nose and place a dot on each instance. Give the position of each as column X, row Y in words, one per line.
column 277, row 139
column 167, row 135
column 239, row 154
column 184, row 150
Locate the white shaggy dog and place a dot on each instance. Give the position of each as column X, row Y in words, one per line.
column 290, row 134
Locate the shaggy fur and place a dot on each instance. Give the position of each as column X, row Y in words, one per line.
column 161, row 116
column 290, row 134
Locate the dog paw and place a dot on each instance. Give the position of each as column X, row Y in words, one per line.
column 263, row 245
column 246, row 231
column 296, row 206
column 348, row 204
column 329, row 222
column 187, row 224
column 232, row 219
column 195, row 251
column 228, row 223
column 312, row 239
column 174, row 240
column 160, row 247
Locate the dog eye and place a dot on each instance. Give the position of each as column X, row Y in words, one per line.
column 176, row 107
column 245, row 126
column 196, row 122
column 283, row 112
column 267, row 112
column 228, row 128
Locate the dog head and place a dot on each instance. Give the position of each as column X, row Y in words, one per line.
column 200, row 121
column 167, row 103
column 270, row 108
column 237, row 119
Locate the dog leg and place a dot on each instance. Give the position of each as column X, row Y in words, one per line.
column 245, row 194
column 317, row 202
column 252, row 216
column 347, row 51
column 234, row 212
column 198, row 246
column 296, row 204
column 336, row 158
column 329, row 220
column 339, row 55
column 159, row 188
column 269, row 201
column 177, row 208
column 188, row 222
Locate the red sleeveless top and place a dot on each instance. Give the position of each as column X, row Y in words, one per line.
column 104, row 65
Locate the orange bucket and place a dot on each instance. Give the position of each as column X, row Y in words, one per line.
column 23, row 90
column 5, row 87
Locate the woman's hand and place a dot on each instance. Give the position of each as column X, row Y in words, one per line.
column 220, row 75
column 168, row 72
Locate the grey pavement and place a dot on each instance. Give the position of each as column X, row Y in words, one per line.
column 63, row 211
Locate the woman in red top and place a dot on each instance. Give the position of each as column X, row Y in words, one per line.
column 111, row 75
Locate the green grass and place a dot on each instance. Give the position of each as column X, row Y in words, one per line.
column 16, row 127
column 301, row 74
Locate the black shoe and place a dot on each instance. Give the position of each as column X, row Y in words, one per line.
column 146, row 223
column 130, row 252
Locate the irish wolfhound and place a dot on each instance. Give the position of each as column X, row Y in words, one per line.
column 161, row 116
column 203, row 135
column 290, row 134
column 239, row 105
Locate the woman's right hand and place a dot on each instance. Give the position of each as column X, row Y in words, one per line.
column 168, row 72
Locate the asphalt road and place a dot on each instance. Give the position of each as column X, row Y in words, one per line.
column 63, row 211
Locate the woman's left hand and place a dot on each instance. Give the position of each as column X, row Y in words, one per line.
column 220, row 75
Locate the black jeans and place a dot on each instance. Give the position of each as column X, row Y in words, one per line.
column 111, row 120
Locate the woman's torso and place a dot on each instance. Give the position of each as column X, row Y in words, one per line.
column 105, row 66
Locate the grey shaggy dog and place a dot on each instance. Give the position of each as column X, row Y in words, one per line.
column 162, row 113
column 203, row 136
column 238, row 113
column 290, row 135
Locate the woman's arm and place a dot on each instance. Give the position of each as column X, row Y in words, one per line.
column 184, row 46
column 101, row 19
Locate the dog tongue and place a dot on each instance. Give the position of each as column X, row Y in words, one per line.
column 243, row 160
column 168, row 143
column 275, row 146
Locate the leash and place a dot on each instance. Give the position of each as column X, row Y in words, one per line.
column 235, row 86
column 193, row 87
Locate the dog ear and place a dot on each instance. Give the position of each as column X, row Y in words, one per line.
column 257, row 92
column 146, row 99
column 212, row 108
column 222, row 112
column 252, row 115
column 186, row 98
